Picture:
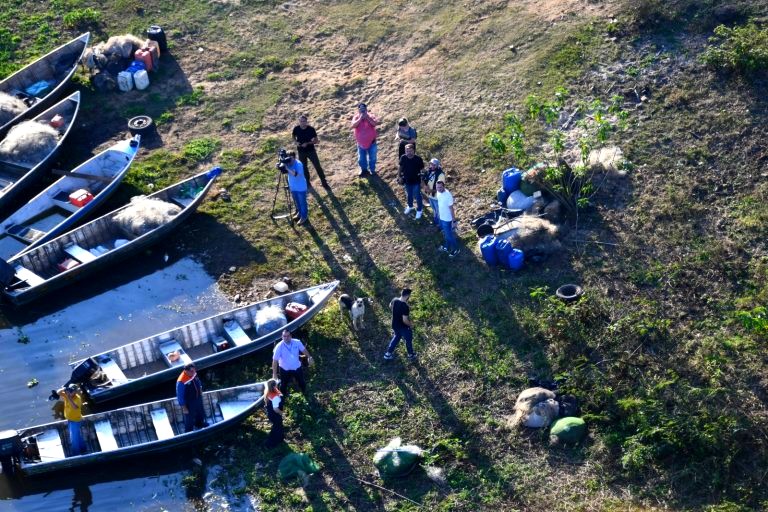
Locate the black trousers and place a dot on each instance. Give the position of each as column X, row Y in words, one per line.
column 277, row 434
column 309, row 153
column 286, row 376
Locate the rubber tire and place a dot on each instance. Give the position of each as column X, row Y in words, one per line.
column 140, row 125
column 569, row 292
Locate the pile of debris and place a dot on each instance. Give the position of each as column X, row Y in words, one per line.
column 122, row 62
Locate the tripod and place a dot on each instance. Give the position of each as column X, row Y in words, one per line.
column 282, row 184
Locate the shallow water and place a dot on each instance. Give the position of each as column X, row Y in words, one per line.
column 37, row 342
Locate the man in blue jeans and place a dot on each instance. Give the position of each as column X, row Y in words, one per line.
column 298, row 186
column 401, row 325
column 447, row 219
column 411, row 166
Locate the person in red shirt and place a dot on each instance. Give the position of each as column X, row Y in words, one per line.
column 364, row 126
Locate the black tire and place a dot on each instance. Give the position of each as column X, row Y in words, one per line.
column 569, row 292
column 141, row 125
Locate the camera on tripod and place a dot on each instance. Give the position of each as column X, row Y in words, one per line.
column 283, row 158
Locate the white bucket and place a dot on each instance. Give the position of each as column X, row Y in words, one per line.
column 125, row 81
column 141, row 79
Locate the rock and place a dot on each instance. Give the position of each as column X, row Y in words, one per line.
column 238, row 298
column 280, row 287
column 232, row 269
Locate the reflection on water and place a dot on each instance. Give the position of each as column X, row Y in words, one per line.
column 154, row 295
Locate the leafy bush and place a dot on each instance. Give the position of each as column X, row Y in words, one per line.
column 201, row 149
column 82, row 18
column 742, row 49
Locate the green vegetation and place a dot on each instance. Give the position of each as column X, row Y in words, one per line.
column 742, row 49
column 200, row 150
column 82, row 19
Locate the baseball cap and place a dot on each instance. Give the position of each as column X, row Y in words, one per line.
column 435, row 161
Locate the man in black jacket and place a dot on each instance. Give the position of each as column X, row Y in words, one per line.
column 306, row 138
column 411, row 166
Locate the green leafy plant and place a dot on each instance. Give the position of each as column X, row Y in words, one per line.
column 201, row 149
column 742, row 49
column 81, row 18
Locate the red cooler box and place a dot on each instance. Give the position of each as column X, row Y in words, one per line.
column 80, row 197
column 294, row 310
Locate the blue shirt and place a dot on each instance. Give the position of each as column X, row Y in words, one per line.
column 296, row 183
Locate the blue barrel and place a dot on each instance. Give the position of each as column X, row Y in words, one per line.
column 502, row 196
column 511, row 178
column 503, row 250
column 488, row 250
column 515, row 259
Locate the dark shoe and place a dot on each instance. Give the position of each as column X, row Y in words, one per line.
column 453, row 253
column 362, row 174
column 412, row 357
column 388, row 356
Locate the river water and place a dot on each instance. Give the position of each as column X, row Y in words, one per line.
column 37, row 342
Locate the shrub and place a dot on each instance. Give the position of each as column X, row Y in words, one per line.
column 201, row 149
column 81, row 18
column 742, row 49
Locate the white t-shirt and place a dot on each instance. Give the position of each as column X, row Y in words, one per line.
column 287, row 356
column 444, row 203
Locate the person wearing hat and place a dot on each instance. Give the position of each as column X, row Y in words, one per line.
column 189, row 393
column 364, row 126
column 73, row 412
column 429, row 186
column 406, row 134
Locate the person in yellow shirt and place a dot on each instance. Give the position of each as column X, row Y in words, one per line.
column 73, row 412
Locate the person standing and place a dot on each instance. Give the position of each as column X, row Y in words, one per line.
column 364, row 125
column 189, row 393
column 401, row 325
column 273, row 403
column 306, row 138
column 298, row 186
column 447, row 219
column 406, row 134
column 286, row 365
column 73, row 412
column 411, row 166
column 429, row 183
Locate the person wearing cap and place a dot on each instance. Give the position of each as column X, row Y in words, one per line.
column 447, row 219
column 411, row 166
column 306, row 138
column 406, row 134
column 286, row 364
column 73, row 412
column 364, row 126
column 189, row 393
column 273, row 403
column 298, row 187
column 429, row 187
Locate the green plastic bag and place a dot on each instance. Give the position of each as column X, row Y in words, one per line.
column 568, row 430
column 395, row 460
column 297, row 465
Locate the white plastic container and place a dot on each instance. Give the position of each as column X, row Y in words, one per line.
column 125, row 81
column 141, row 79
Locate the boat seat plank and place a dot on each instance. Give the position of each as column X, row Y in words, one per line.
column 230, row 409
column 170, row 347
column 25, row 234
column 80, row 254
column 62, row 201
column 182, row 202
column 50, row 447
column 27, row 275
column 162, row 424
column 112, row 370
column 106, row 437
column 235, row 333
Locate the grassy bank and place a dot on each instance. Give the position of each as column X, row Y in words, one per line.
column 666, row 352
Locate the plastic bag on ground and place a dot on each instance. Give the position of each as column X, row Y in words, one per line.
column 395, row 459
column 567, row 430
column 296, row 465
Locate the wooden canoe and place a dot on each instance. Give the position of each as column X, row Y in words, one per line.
column 51, row 212
column 213, row 340
column 15, row 177
column 97, row 244
column 56, row 68
column 138, row 430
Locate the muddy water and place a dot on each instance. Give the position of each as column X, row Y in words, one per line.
column 38, row 341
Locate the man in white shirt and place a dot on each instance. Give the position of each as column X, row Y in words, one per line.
column 447, row 219
column 286, row 364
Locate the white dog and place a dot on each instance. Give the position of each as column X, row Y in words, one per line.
column 356, row 309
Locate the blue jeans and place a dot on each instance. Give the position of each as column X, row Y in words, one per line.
column 412, row 191
column 366, row 158
column 450, row 237
column 300, row 198
column 75, row 438
column 435, row 214
column 402, row 332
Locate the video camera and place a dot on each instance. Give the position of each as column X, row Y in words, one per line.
column 283, row 158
